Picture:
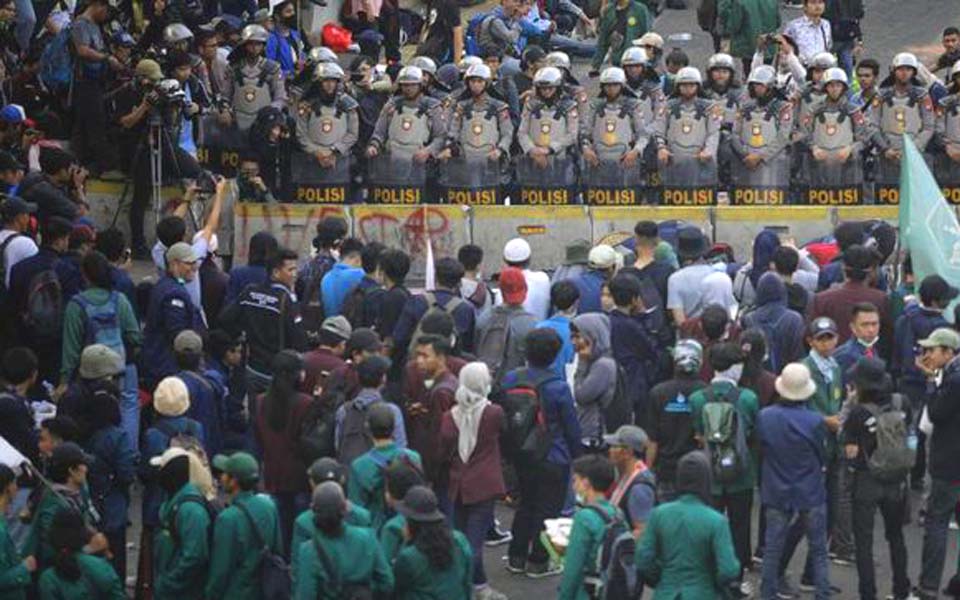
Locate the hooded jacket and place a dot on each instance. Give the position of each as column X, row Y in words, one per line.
column 595, row 381
column 782, row 327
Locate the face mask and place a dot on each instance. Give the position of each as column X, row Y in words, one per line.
column 428, row 383
column 733, row 373
column 579, row 498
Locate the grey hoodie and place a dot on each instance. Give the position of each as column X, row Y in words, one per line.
column 595, row 381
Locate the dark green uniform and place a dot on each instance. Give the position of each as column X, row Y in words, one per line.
column 14, row 576
column 38, row 544
column 827, row 400
column 747, row 406
column 687, row 550
column 417, row 580
column 365, row 486
column 586, row 536
column 392, row 537
column 97, row 580
column 637, row 22
column 304, row 528
column 236, row 554
column 355, row 555
column 181, row 553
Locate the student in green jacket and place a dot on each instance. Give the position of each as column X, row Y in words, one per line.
column 339, row 556
column 181, row 551
column 744, row 21
column 237, row 546
column 592, row 476
column 76, row 575
column 735, row 499
column 686, row 550
column 14, row 571
column 622, row 22
column 365, row 486
column 322, row 470
column 400, row 478
column 436, row 562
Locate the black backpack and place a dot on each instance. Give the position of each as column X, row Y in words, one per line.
column 614, row 574
column 273, row 571
column 344, row 591
column 317, row 433
column 352, row 308
column 525, row 435
column 310, row 293
column 43, row 313
column 355, row 438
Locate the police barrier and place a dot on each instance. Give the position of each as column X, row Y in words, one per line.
column 947, row 171
column 834, row 183
column 471, row 180
column 887, row 186
column 768, row 184
column 395, row 179
column 317, row 184
column 609, row 183
column 222, row 146
column 554, row 185
column 688, row 181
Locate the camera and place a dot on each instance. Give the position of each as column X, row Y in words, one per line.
column 206, row 182
column 169, row 94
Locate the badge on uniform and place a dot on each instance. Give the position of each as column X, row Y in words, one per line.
column 326, row 126
column 406, row 124
column 686, row 126
column 632, row 21
column 477, row 128
column 901, row 117
column 249, row 95
column 544, row 134
column 610, row 134
column 756, row 135
column 831, row 129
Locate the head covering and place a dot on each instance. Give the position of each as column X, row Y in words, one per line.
column 942, row 337
column 338, row 326
column 596, row 328
column 688, row 356
column 665, row 253
column 188, row 341
column 420, row 505
column 516, row 250
column 171, row 398
column 822, row 326
column 577, row 252
column 771, row 290
column 182, row 252
column 98, row 361
column 629, row 436
column 602, row 257
column 13, row 113
column 795, row 383
column 328, row 500
column 241, row 465
column 693, row 475
column 869, row 375
column 763, row 247
column 148, row 69
column 471, row 399
column 513, row 285
column 691, row 243
column 327, row 469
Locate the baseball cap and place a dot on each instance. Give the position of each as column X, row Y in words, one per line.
column 98, row 361
column 602, row 257
column 516, row 250
column 822, row 326
column 13, row 113
column 13, row 206
column 181, row 251
column 630, row 436
column 148, row 69
column 327, row 469
column 188, row 341
column 338, row 326
column 69, row 454
column 934, row 288
column 513, row 285
column 241, row 465
column 328, row 500
column 942, row 337
column 364, row 339
column 420, row 505
column 9, row 162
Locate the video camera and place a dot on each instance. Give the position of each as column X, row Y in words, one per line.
column 169, row 94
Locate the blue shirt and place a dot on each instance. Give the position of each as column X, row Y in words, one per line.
column 280, row 49
column 187, row 143
column 590, row 283
column 561, row 415
column 207, row 407
column 792, row 439
column 849, row 352
column 336, row 284
column 561, row 325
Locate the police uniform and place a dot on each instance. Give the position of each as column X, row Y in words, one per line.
column 833, row 126
column 554, row 126
column 333, row 125
column 480, row 125
column 252, row 86
column 947, row 132
column 895, row 112
column 728, row 100
column 762, row 127
column 613, row 128
column 687, row 127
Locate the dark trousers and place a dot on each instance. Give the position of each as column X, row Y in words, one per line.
column 542, row 491
column 737, row 506
column 118, row 547
column 780, row 523
column 869, row 495
column 289, row 506
column 474, row 520
column 941, row 502
column 89, row 140
column 798, row 529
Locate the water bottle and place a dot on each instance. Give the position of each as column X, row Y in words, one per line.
column 912, row 441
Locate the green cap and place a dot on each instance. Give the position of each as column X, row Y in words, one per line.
column 943, row 337
column 241, row 465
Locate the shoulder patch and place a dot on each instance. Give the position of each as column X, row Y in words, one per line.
column 876, row 101
column 177, row 302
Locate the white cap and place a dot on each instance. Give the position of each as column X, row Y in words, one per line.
column 602, row 257
column 517, row 250
column 168, row 455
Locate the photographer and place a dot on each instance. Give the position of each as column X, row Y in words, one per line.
column 250, row 186
column 58, row 189
column 179, row 67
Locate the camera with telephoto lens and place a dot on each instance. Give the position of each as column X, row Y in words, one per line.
column 169, row 94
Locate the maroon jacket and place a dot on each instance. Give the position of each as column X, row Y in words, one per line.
column 283, row 469
column 481, row 478
column 838, row 301
column 422, row 427
column 318, row 364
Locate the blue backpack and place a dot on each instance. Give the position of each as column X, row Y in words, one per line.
column 102, row 324
column 471, row 39
column 56, row 62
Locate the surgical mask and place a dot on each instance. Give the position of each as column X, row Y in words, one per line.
column 869, row 344
column 578, row 497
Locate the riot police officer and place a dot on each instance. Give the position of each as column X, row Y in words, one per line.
column 432, row 87
column 411, row 124
column 948, row 133
column 571, row 87
column 253, row 81
column 301, row 86
column 177, row 36
column 613, row 128
column 723, row 88
column 549, row 124
column 689, row 127
column 328, row 124
column 902, row 108
column 641, row 77
column 836, row 131
column 480, row 126
column 812, row 93
column 760, row 138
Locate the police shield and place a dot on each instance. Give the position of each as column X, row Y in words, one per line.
column 834, row 183
column 221, row 147
column 887, row 186
column 768, row 184
column 948, row 176
column 554, row 184
column 395, row 179
column 473, row 180
column 688, row 181
column 319, row 184
column 609, row 183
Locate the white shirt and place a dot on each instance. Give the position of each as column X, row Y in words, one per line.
column 17, row 250
column 538, row 294
column 812, row 38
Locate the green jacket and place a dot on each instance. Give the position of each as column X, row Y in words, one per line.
column 748, row 407
column 14, row 577
column 365, row 486
column 355, row 555
column 686, row 551
column 304, row 528
column 98, row 580
column 586, row 537
column 236, row 555
column 743, row 20
column 74, row 323
column 417, row 580
column 392, row 537
column 38, row 543
column 638, row 23
column 827, row 400
column 180, row 568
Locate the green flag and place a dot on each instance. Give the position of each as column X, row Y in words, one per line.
column 928, row 224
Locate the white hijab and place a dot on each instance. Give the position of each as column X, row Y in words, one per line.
column 471, row 399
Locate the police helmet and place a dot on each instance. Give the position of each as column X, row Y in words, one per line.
column 559, row 60
column 905, row 59
column 322, row 54
column 613, row 75
column 764, row 75
column 176, row 32
column 329, row 71
column 721, row 60
column 836, row 74
column 955, row 69
column 480, row 71
column 410, row 74
column 468, row 61
column 548, row 77
column 425, row 64
column 254, row 33
column 650, row 39
column 688, row 75
column 823, row 61
column 634, row 56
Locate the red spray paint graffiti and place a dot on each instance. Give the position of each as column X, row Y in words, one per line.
column 410, row 234
column 287, row 224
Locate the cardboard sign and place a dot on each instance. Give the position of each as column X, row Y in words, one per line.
column 473, row 196
column 681, row 196
column 758, row 196
column 319, row 194
column 614, row 197
column 383, row 194
column 886, row 193
column 834, row 196
column 546, row 196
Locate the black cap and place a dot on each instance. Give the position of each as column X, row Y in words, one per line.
column 380, row 418
column 9, row 162
column 822, row 326
column 327, row 469
column 13, row 206
column 327, row 500
column 869, row 375
column 420, row 504
column 364, row 339
column 68, row 455
column 724, row 355
column 934, row 288
column 859, row 257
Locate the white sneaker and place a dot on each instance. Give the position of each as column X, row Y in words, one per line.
column 488, row 593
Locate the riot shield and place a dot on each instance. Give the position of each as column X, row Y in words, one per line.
column 554, row 185
column 688, row 181
column 395, row 179
column 768, row 184
column 948, row 176
column 472, row 180
column 887, row 186
column 315, row 184
column 221, row 146
column 832, row 183
column 611, row 184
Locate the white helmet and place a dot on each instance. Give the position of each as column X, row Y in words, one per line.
column 721, row 61
column 328, row 71
column 548, row 77
column 823, row 61
column 480, row 71
column 764, row 75
column 613, row 75
column 254, row 33
column 468, row 61
column 689, row 75
column 176, row 32
column 425, row 64
column 634, row 56
column 955, row 69
column 650, row 38
column 558, row 59
column 905, row 59
column 322, row 54
column 836, row 74
column 410, row 74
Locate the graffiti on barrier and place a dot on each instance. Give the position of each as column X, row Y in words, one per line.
column 390, row 228
column 293, row 225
